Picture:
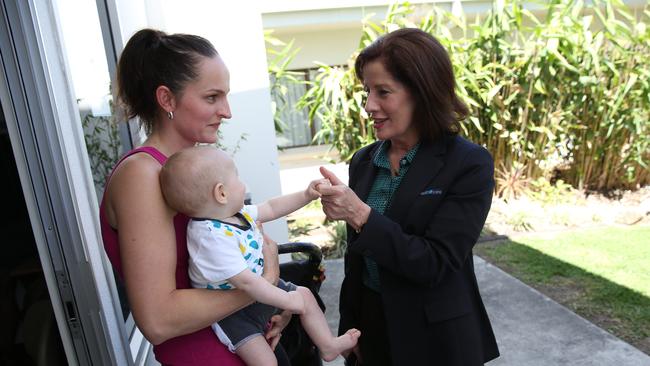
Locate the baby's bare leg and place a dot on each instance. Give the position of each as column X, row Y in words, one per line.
column 313, row 320
column 257, row 352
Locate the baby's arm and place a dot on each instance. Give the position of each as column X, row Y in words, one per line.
column 284, row 205
column 262, row 291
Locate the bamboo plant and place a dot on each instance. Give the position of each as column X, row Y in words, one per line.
column 564, row 94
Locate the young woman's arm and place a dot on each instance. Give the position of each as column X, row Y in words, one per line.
column 148, row 254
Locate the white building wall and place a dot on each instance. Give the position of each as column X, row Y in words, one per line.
column 330, row 46
column 326, row 33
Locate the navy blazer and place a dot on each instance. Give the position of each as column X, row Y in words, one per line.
column 423, row 247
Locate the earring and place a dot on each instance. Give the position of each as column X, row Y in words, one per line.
column 170, row 115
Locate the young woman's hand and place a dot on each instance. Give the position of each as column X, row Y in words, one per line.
column 278, row 323
column 271, row 263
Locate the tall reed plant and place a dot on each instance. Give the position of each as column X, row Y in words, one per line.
column 562, row 91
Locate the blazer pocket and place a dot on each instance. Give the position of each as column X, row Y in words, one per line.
column 445, row 309
column 426, row 203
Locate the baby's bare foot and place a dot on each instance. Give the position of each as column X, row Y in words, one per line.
column 340, row 344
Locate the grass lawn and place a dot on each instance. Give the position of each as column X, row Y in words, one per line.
column 601, row 274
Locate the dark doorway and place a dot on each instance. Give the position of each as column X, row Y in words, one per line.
column 29, row 335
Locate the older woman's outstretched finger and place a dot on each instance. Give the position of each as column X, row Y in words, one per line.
column 330, row 176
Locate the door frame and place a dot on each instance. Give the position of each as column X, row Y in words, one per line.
column 48, row 144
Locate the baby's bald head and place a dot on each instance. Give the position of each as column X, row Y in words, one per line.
column 189, row 176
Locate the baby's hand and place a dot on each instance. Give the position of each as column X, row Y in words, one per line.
column 296, row 302
column 312, row 190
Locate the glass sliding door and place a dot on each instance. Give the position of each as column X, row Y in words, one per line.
column 49, row 148
column 29, row 333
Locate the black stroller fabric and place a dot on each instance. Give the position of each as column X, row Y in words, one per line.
column 309, row 273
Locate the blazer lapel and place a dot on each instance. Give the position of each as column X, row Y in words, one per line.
column 364, row 174
column 426, row 165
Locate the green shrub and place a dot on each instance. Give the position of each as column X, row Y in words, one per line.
column 103, row 144
column 519, row 221
column 338, row 240
column 570, row 89
column 298, row 228
column 550, row 194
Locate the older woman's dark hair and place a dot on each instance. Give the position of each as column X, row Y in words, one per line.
column 152, row 58
column 417, row 60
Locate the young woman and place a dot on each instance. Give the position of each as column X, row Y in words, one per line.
column 177, row 85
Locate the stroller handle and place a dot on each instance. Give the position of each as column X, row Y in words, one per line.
column 313, row 250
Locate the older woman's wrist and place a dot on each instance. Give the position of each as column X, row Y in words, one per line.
column 359, row 220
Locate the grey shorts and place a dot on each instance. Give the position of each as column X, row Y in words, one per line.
column 249, row 322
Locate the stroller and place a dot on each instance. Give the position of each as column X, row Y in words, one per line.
column 309, row 273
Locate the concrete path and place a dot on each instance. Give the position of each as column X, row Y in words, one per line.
column 531, row 329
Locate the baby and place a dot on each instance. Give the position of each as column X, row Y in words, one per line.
column 225, row 248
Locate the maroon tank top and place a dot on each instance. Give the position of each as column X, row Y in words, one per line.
column 199, row 348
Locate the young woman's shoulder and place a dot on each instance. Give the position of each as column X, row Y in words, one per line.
column 134, row 183
column 134, row 172
column 140, row 163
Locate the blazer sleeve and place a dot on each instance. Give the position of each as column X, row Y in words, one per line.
column 349, row 293
column 449, row 235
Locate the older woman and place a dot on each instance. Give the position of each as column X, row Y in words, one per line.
column 416, row 202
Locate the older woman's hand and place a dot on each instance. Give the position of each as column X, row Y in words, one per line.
column 278, row 323
column 341, row 203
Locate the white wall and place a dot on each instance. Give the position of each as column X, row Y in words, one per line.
column 325, row 33
column 330, row 46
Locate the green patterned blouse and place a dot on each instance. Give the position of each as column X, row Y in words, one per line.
column 380, row 197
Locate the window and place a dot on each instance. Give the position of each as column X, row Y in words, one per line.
column 91, row 80
column 297, row 130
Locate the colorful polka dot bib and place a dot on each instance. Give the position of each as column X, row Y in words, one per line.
column 219, row 250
